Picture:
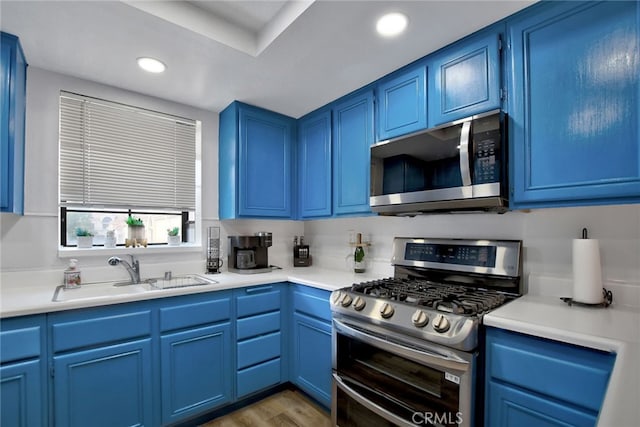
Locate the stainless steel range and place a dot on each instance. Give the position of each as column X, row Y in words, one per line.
column 405, row 349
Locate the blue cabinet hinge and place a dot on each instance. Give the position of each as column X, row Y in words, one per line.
column 503, row 93
column 499, row 43
column 52, row 370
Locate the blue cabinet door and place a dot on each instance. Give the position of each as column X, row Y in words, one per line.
column 562, row 384
column 510, row 406
column 352, row 139
column 13, row 79
column 105, row 386
column 312, row 357
column 256, row 163
column 402, row 102
column 23, row 373
column 21, row 401
column 466, row 78
column 574, row 104
column 314, row 165
column 196, row 372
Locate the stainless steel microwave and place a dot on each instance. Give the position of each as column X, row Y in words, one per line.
column 459, row 166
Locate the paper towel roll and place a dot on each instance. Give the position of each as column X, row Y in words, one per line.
column 587, row 273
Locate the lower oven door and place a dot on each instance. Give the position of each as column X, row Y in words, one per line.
column 380, row 379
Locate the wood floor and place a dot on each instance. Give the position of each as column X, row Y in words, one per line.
column 288, row 408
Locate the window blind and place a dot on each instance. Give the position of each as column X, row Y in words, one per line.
column 120, row 156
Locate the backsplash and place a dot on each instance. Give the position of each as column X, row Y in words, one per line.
column 546, row 234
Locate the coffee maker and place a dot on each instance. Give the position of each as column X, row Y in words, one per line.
column 248, row 254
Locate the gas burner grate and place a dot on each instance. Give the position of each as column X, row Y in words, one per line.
column 445, row 297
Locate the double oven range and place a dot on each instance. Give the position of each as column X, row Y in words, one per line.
column 407, row 349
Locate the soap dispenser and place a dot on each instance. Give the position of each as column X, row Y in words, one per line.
column 72, row 275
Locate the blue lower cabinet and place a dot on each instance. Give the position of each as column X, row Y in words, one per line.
column 23, row 375
column 510, row 406
column 261, row 337
column 21, row 400
column 311, row 342
column 258, row 377
column 105, row 386
column 311, row 358
column 533, row 381
column 196, row 371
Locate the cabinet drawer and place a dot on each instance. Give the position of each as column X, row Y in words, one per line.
column 258, row 325
column 110, row 326
column 258, row 377
column 20, row 338
column 195, row 313
column 258, row 300
column 256, row 350
column 562, row 371
column 312, row 302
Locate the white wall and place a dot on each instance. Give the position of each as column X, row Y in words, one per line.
column 30, row 242
column 546, row 233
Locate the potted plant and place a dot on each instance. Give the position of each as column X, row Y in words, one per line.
column 84, row 238
column 136, row 233
column 173, row 236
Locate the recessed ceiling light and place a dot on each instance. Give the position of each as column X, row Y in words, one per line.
column 391, row 24
column 151, row 65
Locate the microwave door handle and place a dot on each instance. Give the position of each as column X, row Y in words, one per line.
column 373, row 407
column 465, row 170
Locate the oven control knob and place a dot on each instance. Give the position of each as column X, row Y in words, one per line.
column 386, row 311
column 359, row 303
column 420, row 318
column 346, row 300
column 337, row 296
column 441, row 323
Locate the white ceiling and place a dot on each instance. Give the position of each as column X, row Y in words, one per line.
column 288, row 56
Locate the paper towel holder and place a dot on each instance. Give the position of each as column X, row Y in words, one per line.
column 607, row 300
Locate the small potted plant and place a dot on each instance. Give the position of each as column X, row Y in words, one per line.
column 84, row 238
column 173, row 236
column 136, row 233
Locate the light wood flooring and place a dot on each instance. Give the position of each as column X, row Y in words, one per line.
column 288, row 408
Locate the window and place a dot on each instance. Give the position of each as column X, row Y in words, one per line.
column 118, row 161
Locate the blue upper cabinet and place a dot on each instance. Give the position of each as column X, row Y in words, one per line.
column 402, row 102
column 466, row 78
column 13, row 73
column 573, row 106
column 314, row 165
column 352, row 138
column 256, row 163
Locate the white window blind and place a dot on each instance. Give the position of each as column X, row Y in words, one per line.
column 115, row 155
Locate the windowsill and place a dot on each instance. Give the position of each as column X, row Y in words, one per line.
column 73, row 252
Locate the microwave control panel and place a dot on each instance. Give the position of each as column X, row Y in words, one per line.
column 486, row 164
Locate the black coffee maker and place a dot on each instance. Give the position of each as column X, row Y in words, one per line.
column 248, row 254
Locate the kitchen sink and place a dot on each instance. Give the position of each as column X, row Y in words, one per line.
column 179, row 281
column 111, row 289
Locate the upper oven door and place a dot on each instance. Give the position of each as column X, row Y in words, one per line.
column 462, row 160
column 379, row 378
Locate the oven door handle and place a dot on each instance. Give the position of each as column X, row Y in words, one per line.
column 379, row 410
column 421, row 355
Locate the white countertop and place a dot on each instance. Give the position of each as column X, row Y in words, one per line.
column 18, row 300
column 614, row 329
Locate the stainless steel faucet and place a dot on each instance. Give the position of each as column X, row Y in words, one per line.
column 133, row 269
